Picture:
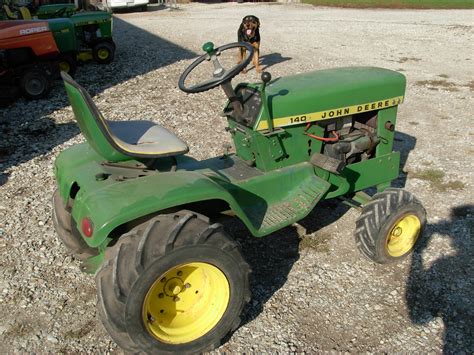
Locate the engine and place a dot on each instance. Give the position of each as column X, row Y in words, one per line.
column 355, row 139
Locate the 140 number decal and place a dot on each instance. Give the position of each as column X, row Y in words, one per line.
column 297, row 119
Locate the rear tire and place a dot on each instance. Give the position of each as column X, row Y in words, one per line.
column 35, row 84
column 175, row 260
column 103, row 52
column 390, row 225
column 62, row 222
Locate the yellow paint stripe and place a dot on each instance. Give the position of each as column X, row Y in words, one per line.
column 328, row 114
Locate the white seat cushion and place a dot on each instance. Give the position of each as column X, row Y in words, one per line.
column 145, row 137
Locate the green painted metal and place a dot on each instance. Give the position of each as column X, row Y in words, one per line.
column 101, row 18
column 269, row 183
column 110, row 203
column 55, row 10
column 69, row 32
column 64, row 34
column 90, row 265
column 331, row 89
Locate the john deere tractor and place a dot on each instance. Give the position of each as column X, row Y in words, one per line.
column 82, row 37
column 139, row 211
column 14, row 12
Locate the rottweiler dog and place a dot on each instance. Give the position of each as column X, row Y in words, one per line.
column 249, row 32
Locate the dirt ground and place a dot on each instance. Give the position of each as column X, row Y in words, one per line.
column 311, row 292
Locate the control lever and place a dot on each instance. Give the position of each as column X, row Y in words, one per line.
column 266, row 77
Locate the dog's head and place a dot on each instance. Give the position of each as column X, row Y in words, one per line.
column 249, row 25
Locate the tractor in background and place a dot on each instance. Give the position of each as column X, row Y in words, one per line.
column 83, row 37
column 80, row 35
column 30, row 12
column 28, row 59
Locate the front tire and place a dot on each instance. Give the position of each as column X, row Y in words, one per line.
column 173, row 285
column 390, row 225
column 103, row 52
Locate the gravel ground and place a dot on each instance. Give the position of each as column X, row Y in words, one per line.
column 312, row 291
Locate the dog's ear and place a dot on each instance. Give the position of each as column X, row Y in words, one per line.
column 258, row 21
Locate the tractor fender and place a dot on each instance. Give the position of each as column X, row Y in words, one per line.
column 121, row 202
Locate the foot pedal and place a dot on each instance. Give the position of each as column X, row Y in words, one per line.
column 327, row 163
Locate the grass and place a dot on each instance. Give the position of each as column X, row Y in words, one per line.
column 396, row 4
column 435, row 178
column 441, row 84
column 318, row 242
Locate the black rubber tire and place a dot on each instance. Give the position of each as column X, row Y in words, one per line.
column 377, row 219
column 108, row 46
column 141, row 256
column 35, row 84
column 71, row 61
column 62, row 222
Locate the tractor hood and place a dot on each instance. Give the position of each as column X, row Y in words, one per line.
column 54, row 10
column 20, row 28
column 28, row 34
column 90, row 17
column 331, row 93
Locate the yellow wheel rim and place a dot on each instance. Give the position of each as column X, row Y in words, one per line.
column 64, row 66
column 403, row 235
column 186, row 302
column 103, row 53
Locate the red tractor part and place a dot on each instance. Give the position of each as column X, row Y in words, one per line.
column 28, row 58
column 28, row 34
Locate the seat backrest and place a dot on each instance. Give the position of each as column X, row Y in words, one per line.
column 9, row 12
column 25, row 13
column 91, row 122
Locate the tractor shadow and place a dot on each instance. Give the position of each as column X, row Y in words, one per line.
column 28, row 128
column 271, row 258
column 445, row 288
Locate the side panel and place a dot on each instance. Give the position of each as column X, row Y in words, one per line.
column 264, row 201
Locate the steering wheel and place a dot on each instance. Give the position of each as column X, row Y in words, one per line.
column 59, row 12
column 220, row 74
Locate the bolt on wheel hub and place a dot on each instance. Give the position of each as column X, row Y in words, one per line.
column 35, row 86
column 403, row 235
column 173, row 287
column 103, row 53
column 186, row 302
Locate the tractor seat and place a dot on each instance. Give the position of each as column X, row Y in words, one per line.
column 120, row 140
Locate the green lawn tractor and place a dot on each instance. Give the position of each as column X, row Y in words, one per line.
column 13, row 12
column 82, row 37
column 141, row 213
column 54, row 11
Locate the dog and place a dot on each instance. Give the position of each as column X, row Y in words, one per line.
column 249, row 31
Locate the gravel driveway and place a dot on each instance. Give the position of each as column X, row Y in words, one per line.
column 312, row 289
